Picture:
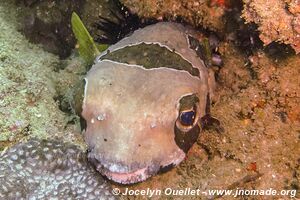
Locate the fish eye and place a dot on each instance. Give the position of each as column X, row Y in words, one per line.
column 187, row 118
column 187, row 112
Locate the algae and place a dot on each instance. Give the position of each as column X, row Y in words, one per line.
column 86, row 45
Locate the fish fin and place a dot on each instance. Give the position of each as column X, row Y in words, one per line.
column 211, row 123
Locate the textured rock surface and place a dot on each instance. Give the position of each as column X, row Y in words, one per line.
column 277, row 20
column 197, row 13
column 49, row 169
column 26, row 84
column 48, row 23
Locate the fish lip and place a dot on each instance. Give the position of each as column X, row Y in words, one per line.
column 120, row 172
column 124, row 174
column 136, row 176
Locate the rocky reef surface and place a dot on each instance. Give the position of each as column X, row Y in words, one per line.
column 27, row 88
column 277, row 20
column 205, row 13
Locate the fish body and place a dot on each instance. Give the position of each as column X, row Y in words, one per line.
column 143, row 101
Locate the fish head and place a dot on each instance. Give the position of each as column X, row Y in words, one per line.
column 140, row 121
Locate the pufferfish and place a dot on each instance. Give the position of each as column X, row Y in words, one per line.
column 143, row 102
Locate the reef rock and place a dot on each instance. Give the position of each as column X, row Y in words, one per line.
column 206, row 13
column 277, row 20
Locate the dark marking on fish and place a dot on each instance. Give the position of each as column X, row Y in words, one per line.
column 185, row 140
column 200, row 49
column 151, row 56
column 188, row 102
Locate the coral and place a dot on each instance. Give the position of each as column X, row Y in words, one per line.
column 47, row 169
column 277, row 20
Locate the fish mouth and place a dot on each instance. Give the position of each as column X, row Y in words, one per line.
column 121, row 173
column 128, row 177
column 126, row 173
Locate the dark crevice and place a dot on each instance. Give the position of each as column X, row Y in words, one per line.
column 125, row 24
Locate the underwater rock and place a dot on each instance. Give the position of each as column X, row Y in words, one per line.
column 143, row 102
column 44, row 169
column 277, row 20
column 207, row 13
column 48, row 23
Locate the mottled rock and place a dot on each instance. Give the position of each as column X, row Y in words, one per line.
column 277, row 20
column 48, row 23
column 206, row 13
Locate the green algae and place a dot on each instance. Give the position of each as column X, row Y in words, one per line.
column 88, row 49
column 86, row 45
